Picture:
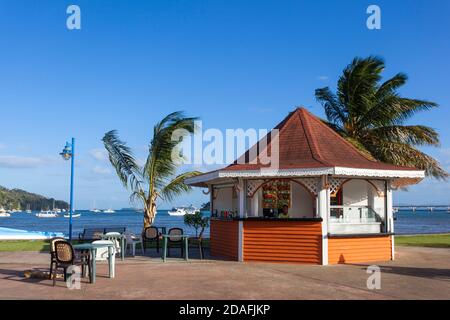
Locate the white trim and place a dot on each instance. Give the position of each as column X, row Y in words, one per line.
column 242, row 196
column 240, row 241
column 379, row 173
column 338, row 171
column 323, row 201
column 390, row 214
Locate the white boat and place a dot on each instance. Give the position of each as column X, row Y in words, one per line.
column 28, row 209
column 74, row 215
column 181, row 211
column 94, row 208
column 108, row 210
column 46, row 214
column 3, row 213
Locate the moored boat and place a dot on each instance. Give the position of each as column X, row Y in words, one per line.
column 47, row 214
column 181, row 211
column 4, row 214
column 75, row 215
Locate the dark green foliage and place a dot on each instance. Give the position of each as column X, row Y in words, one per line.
column 197, row 220
column 20, row 199
column 372, row 116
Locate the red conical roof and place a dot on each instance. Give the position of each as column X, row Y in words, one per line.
column 305, row 141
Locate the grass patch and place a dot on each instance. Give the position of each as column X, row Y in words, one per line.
column 426, row 240
column 24, row 245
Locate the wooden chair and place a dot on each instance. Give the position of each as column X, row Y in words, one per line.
column 175, row 241
column 150, row 234
column 65, row 257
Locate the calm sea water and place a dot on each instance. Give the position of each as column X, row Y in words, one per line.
column 132, row 220
column 407, row 222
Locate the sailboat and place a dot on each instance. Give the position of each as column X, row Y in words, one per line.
column 94, row 208
column 108, row 210
column 74, row 215
column 28, row 209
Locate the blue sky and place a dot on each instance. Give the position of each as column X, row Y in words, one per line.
column 235, row 64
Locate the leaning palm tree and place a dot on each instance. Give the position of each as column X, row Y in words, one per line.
column 371, row 115
column 157, row 178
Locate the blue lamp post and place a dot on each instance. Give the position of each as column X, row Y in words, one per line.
column 68, row 153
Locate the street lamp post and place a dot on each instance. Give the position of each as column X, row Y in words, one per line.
column 69, row 153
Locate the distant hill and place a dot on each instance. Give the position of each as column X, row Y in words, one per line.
column 16, row 198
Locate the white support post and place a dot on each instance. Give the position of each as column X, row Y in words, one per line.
column 211, row 200
column 242, row 204
column 390, row 216
column 323, row 210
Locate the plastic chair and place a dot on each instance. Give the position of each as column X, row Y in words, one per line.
column 114, row 237
column 173, row 240
column 131, row 241
column 150, row 234
column 65, row 258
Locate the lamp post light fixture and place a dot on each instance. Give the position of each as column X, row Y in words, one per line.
column 68, row 153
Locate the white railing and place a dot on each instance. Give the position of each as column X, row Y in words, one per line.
column 353, row 214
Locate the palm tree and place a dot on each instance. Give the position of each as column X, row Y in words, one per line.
column 157, row 178
column 371, row 115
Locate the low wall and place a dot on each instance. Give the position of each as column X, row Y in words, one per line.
column 224, row 239
column 354, row 249
column 283, row 241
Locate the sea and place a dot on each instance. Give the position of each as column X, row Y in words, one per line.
column 406, row 222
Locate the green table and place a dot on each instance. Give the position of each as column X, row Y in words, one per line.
column 120, row 238
column 186, row 245
column 92, row 248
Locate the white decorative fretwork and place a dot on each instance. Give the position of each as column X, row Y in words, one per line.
column 252, row 186
column 310, row 183
column 334, row 184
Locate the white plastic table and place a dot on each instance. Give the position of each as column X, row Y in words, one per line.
column 92, row 248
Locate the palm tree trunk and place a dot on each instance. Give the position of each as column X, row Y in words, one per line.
column 150, row 212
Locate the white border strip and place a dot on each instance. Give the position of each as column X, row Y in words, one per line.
column 340, row 171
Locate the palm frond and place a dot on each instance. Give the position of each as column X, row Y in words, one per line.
column 160, row 163
column 412, row 135
column 333, row 109
column 177, row 185
column 405, row 155
column 122, row 160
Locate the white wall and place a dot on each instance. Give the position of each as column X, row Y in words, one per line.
column 355, row 193
column 302, row 203
column 224, row 199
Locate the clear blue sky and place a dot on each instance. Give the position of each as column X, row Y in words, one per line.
column 233, row 63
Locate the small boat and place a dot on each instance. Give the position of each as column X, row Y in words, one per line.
column 28, row 209
column 181, row 211
column 75, row 215
column 96, row 210
column 108, row 210
column 46, row 214
column 4, row 214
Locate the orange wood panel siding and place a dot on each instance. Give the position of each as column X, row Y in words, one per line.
column 224, row 239
column 364, row 249
column 283, row 241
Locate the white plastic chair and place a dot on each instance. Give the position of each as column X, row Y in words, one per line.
column 131, row 241
column 114, row 237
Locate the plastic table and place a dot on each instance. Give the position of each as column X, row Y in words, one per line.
column 185, row 237
column 92, row 248
column 120, row 238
